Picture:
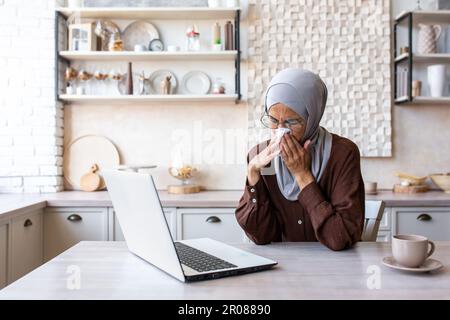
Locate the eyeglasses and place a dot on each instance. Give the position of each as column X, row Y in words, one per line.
column 270, row 122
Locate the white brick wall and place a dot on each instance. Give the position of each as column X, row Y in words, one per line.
column 31, row 123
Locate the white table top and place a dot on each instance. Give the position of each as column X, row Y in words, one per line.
column 305, row 271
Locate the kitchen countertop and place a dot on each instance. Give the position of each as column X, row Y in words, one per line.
column 305, row 271
column 12, row 203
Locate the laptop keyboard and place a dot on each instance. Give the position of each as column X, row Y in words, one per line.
column 199, row 260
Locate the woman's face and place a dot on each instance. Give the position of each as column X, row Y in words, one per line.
column 288, row 118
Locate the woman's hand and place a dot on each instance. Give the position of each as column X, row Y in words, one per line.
column 297, row 159
column 260, row 161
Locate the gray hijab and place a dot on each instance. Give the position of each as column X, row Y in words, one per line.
column 306, row 94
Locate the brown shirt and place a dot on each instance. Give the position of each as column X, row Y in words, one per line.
column 330, row 211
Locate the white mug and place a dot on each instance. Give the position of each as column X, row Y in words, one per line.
column 411, row 250
column 214, row 3
column 173, row 48
column 436, row 79
column 140, row 48
column 232, row 3
column 74, row 3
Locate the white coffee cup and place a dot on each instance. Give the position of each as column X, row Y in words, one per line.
column 370, row 187
column 173, row 48
column 140, row 48
column 411, row 250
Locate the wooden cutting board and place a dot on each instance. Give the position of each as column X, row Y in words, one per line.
column 91, row 181
column 82, row 152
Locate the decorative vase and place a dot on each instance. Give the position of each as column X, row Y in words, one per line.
column 229, row 38
column 436, row 79
column 428, row 35
column 130, row 79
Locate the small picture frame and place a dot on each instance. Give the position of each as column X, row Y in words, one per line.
column 82, row 37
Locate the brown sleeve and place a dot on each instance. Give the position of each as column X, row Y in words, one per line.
column 255, row 212
column 256, row 216
column 338, row 221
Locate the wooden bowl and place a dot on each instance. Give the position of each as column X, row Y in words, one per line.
column 442, row 180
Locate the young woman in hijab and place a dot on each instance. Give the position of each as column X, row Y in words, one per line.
column 308, row 185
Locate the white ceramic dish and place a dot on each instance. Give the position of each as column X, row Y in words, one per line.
column 138, row 32
column 196, row 82
column 428, row 265
column 156, row 78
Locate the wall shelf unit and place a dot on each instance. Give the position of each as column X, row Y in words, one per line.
column 148, row 55
column 412, row 18
column 64, row 57
column 162, row 13
column 111, row 99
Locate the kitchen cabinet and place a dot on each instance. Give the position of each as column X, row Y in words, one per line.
column 432, row 222
column 3, row 254
column 215, row 223
column 26, row 244
column 65, row 227
column 171, row 218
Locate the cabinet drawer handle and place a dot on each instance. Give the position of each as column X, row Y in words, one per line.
column 424, row 217
column 213, row 219
column 27, row 223
column 74, row 217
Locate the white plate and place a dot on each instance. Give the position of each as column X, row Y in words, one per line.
column 138, row 32
column 428, row 265
column 196, row 82
column 83, row 152
column 158, row 76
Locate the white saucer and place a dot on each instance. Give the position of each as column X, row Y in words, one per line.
column 428, row 265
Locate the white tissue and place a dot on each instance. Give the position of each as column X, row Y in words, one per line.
column 279, row 133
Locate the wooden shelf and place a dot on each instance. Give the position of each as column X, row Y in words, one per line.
column 149, row 55
column 424, row 100
column 112, row 99
column 431, row 100
column 166, row 13
column 437, row 16
column 432, row 57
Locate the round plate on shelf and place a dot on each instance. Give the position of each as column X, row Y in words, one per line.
column 83, row 152
column 138, row 32
column 196, row 82
column 158, row 76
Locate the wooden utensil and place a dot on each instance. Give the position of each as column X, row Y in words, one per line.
column 91, row 181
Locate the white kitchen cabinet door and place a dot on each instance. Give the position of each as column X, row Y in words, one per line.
column 215, row 223
column 3, row 255
column 432, row 222
column 384, row 236
column 65, row 227
column 26, row 244
column 171, row 218
column 385, row 223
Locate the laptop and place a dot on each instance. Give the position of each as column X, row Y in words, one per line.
column 144, row 226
